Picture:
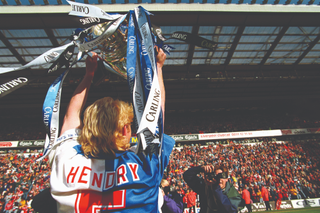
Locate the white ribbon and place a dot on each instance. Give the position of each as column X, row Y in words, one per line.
column 47, row 57
column 87, row 10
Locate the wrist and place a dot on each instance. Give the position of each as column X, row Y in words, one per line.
column 159, row 65
column 89, row 75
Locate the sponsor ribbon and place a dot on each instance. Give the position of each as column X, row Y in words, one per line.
column 48, row 57
column 153, row 106
column 134, row 77
column 50, row 113
column 87, row 10
column 63, row 59
column 194, row 39
column 142, row 78
column 186, row 37
column 12, row 85
column 51, row 110
column 132, row 68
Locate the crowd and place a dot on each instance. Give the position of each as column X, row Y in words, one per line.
column 291, row 168
column 21, row 178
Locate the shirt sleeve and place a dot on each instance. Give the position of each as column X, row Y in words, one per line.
column 172, row 205
column 230, row 204
column 167, row 144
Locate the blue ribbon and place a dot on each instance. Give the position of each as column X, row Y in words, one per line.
column 50, row 105
column 132, row 58
column 147, row 57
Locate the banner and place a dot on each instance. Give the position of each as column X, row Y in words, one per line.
column 36, row 143
column 8, row 144
column 299, row 131
column 233, row 135
column 310, row 202
column 186, row 210
column 258, row 207
column 31, row 143
column 189, row 137
column 286, row 204
column 314, row 130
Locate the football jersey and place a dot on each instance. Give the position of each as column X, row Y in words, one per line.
column 128, row 182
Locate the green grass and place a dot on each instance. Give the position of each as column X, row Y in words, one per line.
column 302, row 210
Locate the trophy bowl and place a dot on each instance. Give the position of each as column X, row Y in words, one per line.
column 111, row 46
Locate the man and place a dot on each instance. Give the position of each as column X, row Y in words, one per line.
column 279, row 199
column 246, row 197
column 92, row 168
column 293, row 192
column 265, row 196
column 172, row 202
column 216, row 192
column 191, row 200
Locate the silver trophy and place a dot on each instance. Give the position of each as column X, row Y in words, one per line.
column 112, row 45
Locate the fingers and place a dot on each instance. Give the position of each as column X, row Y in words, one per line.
column 92, row 57
column 160, row 52
column 156, row 49
column 208, row 168
column 91, row 63
column 161, row 56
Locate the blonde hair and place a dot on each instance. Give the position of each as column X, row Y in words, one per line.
column 164, row 181
column 102, row 127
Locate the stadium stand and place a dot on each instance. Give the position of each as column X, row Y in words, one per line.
column 279, row 164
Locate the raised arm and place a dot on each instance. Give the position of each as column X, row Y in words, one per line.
column 79, row 97
column 161, row 57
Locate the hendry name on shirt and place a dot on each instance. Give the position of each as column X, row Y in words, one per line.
column 103, row 180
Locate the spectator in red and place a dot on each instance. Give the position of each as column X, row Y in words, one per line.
column 279, row 198
column 265, row 196
column 247, row 199
column 285, row 195
column 191, row 200
column 185, row 200
column 9, row 206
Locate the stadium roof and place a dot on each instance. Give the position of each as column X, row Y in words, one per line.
column 267, row 53
column 64, row 2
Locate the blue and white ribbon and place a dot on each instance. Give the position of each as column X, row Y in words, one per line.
column 153, row 106
column 142, row 78
column 134, row 77
column 51, row 111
